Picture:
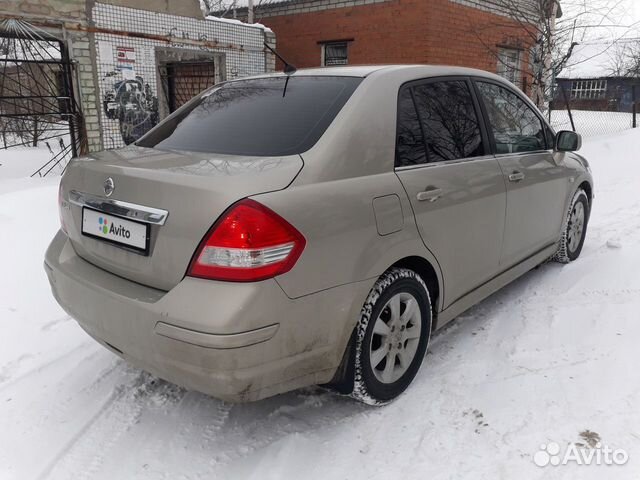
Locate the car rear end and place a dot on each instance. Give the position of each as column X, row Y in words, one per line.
column 167, row 257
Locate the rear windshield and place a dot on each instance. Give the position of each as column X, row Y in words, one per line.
column 255, row 117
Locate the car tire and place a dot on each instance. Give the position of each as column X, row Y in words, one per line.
column 391, row 337
column 575, row 229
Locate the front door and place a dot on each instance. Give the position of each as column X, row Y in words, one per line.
column 456, row 189
column 537, row 186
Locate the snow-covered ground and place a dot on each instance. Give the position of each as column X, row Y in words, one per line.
column 551, row 358
column 21, row 162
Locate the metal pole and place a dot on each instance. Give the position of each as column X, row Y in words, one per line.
column 566, row 101
column 250, row 11
column 635, row 106
column 77, row 144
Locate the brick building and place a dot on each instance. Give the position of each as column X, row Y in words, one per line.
column 471, row 33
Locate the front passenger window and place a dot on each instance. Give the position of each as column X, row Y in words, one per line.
column 516, row 128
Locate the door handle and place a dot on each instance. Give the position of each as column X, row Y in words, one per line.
column 431, row 194
column 516, row 177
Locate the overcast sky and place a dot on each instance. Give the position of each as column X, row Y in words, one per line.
column 623, row 14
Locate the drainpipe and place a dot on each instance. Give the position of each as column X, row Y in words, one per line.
column 250, row 18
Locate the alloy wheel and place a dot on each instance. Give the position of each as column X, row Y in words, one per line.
column 576, row 226
column 396, row 337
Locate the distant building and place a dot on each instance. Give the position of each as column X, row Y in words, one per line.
column 590, row 81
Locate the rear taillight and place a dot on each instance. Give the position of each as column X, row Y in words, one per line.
column 61, row 206
column 248, row 243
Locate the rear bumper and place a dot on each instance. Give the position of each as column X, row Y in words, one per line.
column 235, row 341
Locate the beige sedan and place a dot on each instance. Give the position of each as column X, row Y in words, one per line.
column 314, row 228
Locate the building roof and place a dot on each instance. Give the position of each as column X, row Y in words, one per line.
column 225, row 6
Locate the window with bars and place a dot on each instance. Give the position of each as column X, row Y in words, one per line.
column 335, row 53
column 509, row 64
column 588, row 89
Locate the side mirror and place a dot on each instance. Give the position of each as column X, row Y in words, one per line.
column 567, row 141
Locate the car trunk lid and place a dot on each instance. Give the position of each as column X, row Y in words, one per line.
column 193, row 188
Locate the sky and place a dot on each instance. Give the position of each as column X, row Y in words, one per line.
column 624, row 13
column 595, row 55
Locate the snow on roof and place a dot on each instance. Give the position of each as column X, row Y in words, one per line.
column 257, row 3
column 238, row 22
column 590, row 60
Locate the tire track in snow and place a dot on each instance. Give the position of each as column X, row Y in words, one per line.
column 67, row 447
column 250, row 428
column 205, row 418
column 84, row 454
column 585, row 297
column 217, row 420
column 64, row 408
column 44, row 366
column 7, row 369
column 54, row 323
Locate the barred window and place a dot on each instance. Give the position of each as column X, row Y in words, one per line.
column 588, row 89
column 335, row 53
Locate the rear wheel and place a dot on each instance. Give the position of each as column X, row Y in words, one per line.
column 575, row 230
column 391, row 337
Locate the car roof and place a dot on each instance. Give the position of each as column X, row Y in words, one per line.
column 366, row 70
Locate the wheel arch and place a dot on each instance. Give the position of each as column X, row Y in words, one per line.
column 427, row 272
column 586, row 186
column 342, row 381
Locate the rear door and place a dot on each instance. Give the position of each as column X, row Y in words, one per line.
column 537, row 186
column 454, row 184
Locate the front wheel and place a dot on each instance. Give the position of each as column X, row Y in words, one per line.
column 391, row 337
column 575, row 229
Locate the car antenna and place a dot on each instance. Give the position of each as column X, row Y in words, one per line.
column 288, row 68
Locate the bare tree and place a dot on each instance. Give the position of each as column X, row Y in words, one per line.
column 228, row 8
column 547, row 31
column 624, row 58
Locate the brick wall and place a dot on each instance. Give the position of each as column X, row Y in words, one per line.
column 293, row 7
column 398, row 31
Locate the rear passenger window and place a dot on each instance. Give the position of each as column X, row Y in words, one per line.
column 516, row 127
column 410, row 143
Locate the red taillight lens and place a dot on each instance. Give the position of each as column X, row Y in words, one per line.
column 248, row 243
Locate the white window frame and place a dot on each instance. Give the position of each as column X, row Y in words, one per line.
column 510, row 64
column 588, row 89
column 344, row 43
